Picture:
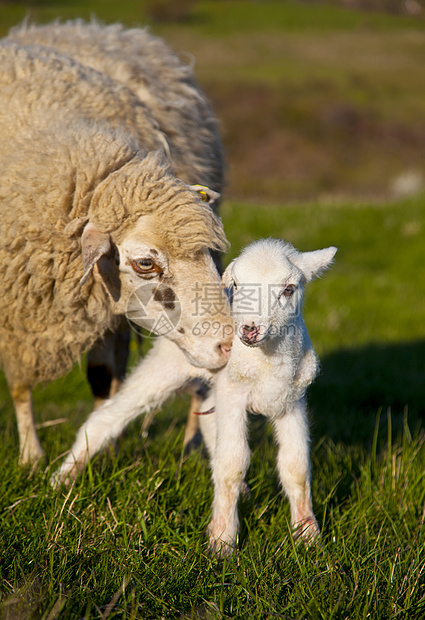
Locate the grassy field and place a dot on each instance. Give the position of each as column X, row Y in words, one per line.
column 128, row 539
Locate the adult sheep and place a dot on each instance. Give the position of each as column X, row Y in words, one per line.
column 167, row 89
column 92, row 209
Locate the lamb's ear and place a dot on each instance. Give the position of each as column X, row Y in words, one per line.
column 227, row 281
column 94, row 244
column 207, row 195
column 312, row 264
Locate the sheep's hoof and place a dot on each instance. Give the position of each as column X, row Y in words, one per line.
column 245, row 491
column 31, row 456
column 58, row 479
column 193, row 443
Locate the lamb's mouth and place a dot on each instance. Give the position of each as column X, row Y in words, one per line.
column 254, row 343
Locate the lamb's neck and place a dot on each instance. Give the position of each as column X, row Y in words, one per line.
column 287, row 341
column 246, row 362
column 279, row 355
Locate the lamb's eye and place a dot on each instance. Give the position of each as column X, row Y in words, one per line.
column 229, row 290
column 288, row 290
column 144, row 265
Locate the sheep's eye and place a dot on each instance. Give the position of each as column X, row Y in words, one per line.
column 288, row 290
column 235, row 286
column 144, row 265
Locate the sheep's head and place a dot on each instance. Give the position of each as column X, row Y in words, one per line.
column 265, row 285
column 157, row 269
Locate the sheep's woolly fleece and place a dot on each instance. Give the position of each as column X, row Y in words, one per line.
column 161, row 82
column 75, row 145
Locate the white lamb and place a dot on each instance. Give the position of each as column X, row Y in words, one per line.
column 271, row 364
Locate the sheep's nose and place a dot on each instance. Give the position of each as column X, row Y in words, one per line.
column 225, row 348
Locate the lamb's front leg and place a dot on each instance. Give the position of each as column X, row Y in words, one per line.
column 160, row 374
column 293, row 462
column 229, row 465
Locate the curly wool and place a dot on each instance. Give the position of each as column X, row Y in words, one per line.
column 75, row 145
column 165, row 86
column 153, row 189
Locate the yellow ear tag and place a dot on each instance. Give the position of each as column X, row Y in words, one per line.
column 203, row 192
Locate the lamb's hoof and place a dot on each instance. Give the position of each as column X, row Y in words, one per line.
column 220, row 549
column 307, row 531
column 221, row 544
column 65, row 475
column 58, row 479
column 193, row 442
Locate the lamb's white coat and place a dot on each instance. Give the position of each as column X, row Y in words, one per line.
column 269, row 378
column 271, row 364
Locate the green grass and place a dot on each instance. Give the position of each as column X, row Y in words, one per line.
column 217, row 17
column 128, row 540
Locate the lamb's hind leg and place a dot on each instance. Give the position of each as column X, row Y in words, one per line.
column 293, row 464
column 30, row 450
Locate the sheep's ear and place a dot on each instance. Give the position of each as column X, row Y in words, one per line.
column 94, row 244
column 207, row 195
column 312, row 264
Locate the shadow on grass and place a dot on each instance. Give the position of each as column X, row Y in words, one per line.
column 349, row 405
column 354, row 384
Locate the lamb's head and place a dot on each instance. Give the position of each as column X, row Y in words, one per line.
column 265, row 285
column 154, row 259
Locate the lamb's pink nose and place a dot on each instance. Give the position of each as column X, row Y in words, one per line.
column 250, row 333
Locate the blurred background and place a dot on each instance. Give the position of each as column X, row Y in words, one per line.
column 316, row 100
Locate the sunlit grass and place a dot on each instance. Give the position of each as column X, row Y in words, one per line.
column 374, row 290
column 131, row 532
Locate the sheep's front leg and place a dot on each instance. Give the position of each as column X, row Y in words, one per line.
column 30, row 450
column 229, row 464
column 293, row 464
